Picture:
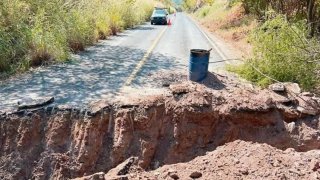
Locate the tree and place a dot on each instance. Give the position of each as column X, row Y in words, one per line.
column 311, row 9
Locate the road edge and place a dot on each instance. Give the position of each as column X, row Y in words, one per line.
column 224, row 49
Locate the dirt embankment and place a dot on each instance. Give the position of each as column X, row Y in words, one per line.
column 190, row 121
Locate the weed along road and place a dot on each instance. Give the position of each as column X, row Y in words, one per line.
column 103, row 70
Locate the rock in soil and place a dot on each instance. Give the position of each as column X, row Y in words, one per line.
column 195, row 175
column 35, row 103
column 174, row 176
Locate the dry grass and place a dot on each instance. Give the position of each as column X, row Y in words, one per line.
column 230, row 23
column 35, row 32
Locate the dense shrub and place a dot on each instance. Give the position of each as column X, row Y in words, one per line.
column 291, row 8
column 257, row 7
column 189, row 5
column 282, row 51
column 203, row 11
column 294, row 10
column 214, row 11
column 14, row 33
column 35, row 31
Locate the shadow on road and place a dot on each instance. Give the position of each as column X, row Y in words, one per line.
column 94, row 74
column 146, row 28
column 211, row 81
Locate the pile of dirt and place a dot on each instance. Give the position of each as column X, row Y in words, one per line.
column 191, row 120
column 235, row 160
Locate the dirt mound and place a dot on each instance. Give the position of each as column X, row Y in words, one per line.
column 235, row 160
column 193, row 119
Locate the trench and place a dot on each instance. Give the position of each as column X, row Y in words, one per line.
column 62, row 143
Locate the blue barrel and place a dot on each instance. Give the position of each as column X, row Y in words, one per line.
column 198, row 64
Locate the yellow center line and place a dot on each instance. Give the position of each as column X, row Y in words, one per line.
column 144, row 59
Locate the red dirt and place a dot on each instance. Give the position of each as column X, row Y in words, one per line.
column 192, row 120
column 235, row 160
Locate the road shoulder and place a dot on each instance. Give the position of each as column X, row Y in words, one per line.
column 226, row 48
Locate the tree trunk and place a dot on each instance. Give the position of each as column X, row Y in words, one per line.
column 311, row 17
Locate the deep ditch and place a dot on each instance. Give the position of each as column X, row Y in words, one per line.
column 64, row 143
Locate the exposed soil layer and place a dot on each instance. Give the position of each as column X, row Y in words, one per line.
column 190, row 121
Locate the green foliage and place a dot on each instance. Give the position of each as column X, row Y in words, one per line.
column 189, row 5
column 233, row 2
column 282, row 51
column 14, row 33
column 35, row 31
column 48, row 38
column 208, row 2
column 257, row 7
column 216, row 11
column 192, row 5
column 171, row 10
column 204, row 11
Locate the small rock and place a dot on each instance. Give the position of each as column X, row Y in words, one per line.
column 290, row 150
column 166, row 84
column 174, row 176
column 286, row 101
column 309, row 94
column 35, row 103
column 125, row 166
column 244, row 171
column 316, row 99
column 277, row 87
column 307, row 111
column 180, row 89
column 96, row 176
column 99, row 174
column 316, row 166
column 292, row 87
column 294, row 171
column 269, row 101
column 275, row 164
column 291, row 127
column 195, row 175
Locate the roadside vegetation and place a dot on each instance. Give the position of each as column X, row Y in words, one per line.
column 283, row 37
column 35, row 32
column 229, row 21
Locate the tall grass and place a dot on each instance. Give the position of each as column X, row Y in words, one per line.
column 282, row 51
column 215, row 11
column 34, row 32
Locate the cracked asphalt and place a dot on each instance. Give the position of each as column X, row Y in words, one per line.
column 101, row 71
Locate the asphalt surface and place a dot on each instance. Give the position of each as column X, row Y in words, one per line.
column 103, row 70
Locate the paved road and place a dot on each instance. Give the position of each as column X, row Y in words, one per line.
column 104, row 69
